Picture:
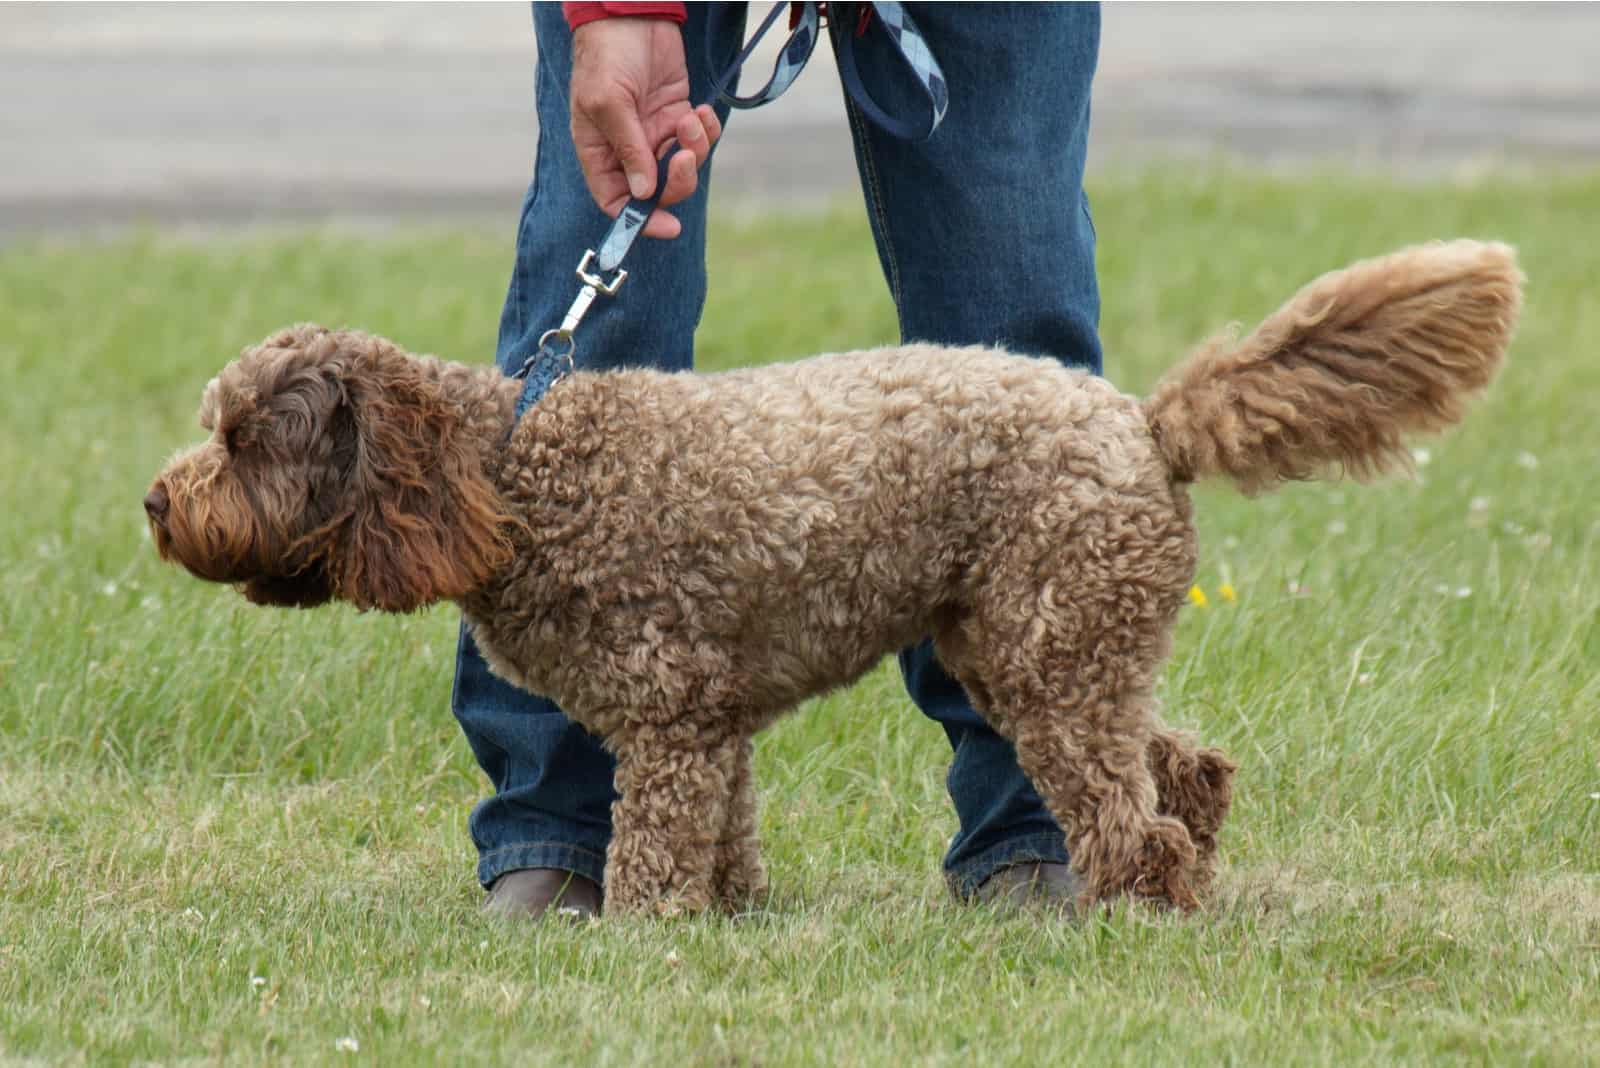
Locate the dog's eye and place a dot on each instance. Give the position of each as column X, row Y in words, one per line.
column 235, row 438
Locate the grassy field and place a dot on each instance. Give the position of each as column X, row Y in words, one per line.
column 234, row 834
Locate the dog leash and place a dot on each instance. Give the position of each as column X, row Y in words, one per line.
column 556, row 356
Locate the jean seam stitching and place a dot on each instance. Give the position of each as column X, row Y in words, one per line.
column 575, row 859
column 542, row 844
column 875, row 206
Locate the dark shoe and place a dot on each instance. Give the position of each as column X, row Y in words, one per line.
column 1032, row 883
column 529, row 893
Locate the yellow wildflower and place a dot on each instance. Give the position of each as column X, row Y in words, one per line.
column 1197, row 596
column 1225, row 591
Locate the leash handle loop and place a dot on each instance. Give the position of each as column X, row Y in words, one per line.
column 913, row 48
column 796, row 52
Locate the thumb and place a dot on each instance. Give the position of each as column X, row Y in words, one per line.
column 617, row 121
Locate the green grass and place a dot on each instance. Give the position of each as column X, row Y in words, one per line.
column 234, row 834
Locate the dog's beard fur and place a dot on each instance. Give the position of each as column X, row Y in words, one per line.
column 219, row 527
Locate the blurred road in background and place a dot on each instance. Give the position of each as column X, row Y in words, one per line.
column 217, row 115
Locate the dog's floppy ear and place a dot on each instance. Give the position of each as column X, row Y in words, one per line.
column 424, row 522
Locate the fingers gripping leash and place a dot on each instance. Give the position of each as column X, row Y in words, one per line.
column 557, row 352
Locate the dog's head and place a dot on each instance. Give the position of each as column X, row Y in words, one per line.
column 335, row 467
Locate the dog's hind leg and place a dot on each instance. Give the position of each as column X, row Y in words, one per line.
column 1067, row 667
column 1194, row 785
column 675, row 785
column 738, row 878
column 1087, row 759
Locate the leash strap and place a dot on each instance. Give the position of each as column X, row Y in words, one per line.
column 791, row 60
column 555, row 355
column 913, row 48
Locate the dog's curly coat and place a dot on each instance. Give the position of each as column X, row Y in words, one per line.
column 678, row 559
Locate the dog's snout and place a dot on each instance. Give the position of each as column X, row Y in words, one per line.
column 156, row 502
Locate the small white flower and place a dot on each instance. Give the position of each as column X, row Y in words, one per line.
column 1364, row 679
column 258, row 981
column 1463, row 592
column 192, row 913
column 425, row 1001
column 1595, row 796
column 1527, row 460
column 109, row 589
column 1478, row 504
column 1421, row 457
column 150, row 603
column 672, row 958
column 347, row 1044
column 1337, row 527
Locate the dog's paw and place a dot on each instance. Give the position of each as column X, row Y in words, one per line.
column 1165, row 866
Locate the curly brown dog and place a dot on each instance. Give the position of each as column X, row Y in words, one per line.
column 678, row 559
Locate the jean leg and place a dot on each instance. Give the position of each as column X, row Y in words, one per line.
column 552, row 781
column 984, row 235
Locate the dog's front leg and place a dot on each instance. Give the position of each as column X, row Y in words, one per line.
column 740, row 878
column 674, row 783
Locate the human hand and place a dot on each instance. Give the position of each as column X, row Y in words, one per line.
column 630, row 96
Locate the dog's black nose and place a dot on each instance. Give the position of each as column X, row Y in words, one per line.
column 156, row 503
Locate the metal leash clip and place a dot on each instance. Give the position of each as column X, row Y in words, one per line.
column 593, row 285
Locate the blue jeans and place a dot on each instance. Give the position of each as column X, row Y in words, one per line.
column 984, row 235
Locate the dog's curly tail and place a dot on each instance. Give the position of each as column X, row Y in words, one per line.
column 1336, row 377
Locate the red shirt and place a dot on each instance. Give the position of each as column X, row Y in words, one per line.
column 579, row 14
